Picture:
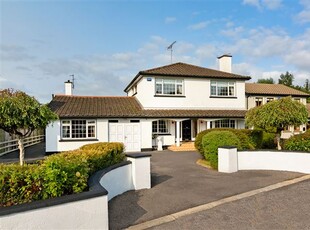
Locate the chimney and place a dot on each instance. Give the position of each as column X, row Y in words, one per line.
column 225, row 63
column 68, row 88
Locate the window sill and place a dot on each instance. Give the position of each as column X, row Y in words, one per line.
column 157, row 95
column 223, row 97
column 161, row 134
column 77, row 139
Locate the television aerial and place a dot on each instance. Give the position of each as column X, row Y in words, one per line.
column 170, row 48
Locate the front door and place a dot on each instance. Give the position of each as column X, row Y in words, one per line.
column 187, row 130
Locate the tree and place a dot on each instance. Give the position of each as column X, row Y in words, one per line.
column 307, row 85
column 276, row 115
column 21, row 114
column 266, row 80
column 286, row 79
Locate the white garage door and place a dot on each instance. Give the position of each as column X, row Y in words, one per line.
column 127, row 133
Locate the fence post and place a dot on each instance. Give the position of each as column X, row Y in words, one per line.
column 227, row 159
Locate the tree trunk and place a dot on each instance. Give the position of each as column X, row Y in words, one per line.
column 21, row 151
column 278, row 137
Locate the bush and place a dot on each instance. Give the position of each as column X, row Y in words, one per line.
column 215, row 139
column 60, row 174
column 299, row 142
column 250, row 139
column 269, row 141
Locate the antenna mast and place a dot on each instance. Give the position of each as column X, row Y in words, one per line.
column 72, row 77
column 170, row 48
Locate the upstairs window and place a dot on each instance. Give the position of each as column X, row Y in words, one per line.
column 169, row 87
column 269, row 99
column 78, row 129
column 160, row 127
column 223, row 88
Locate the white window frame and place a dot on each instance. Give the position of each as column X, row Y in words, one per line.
column 158, row 131
column 259, row 99
column 215, row 87
column 88, row 124
column 231, row 123
column 161, row 85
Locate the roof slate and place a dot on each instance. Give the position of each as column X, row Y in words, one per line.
column 125, row 107
column 272, row 89
column 186, row 70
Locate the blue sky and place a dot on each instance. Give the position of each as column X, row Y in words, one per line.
column 106, row 43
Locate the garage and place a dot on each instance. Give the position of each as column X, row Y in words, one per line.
column 127, row 133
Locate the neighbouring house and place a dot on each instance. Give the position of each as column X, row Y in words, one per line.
column 170, row 104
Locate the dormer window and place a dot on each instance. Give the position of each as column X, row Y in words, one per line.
column 223, row 88
column 169, row 86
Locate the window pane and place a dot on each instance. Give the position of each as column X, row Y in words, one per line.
column 213, row 90
column 222, row 90
column 159, row 89
column 78, row 128
column 91, row 131
column 162, row 126
column 231, row 90
column 154, row 126
column 179, row 89
column 66, row 131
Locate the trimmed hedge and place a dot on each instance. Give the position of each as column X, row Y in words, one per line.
column 250, row 139
column 59, row 174
column 299, row 142
column 215, row 139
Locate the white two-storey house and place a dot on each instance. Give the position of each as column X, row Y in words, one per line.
column 170, row 104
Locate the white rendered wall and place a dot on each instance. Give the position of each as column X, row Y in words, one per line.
column 84, row 214
column 146, row 134
column 197, row 96
column 264, row 160
column 118, row 181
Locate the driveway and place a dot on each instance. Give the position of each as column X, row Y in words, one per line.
column 178, row 183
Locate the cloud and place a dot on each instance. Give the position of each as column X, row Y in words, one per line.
column 264, row 4
column 169, row 20
column 198, row 26
column 14, row 53
column 304, row 15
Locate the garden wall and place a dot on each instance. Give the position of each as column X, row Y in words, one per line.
column 231, row 160
column 87, row 210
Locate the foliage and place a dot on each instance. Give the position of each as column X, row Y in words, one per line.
column 21, row 114
column 59, row 174
column 299, row 142
column 215, row 139
column 269, row 140
column 250, row 139
column 286, row 79
column 277, row 115
column 266, row 80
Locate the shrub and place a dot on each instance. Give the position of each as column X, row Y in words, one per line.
column 60, row 174
column 299, row 142
column 250, row 139
column 215, row 139
column 269, row 140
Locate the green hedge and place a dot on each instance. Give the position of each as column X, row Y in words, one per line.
column 250, row 139
column 59, row 174
column 215, row 139
column 299, row 142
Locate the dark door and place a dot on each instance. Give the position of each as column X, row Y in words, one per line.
column 186, row 130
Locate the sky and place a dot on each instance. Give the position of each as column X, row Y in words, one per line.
column 106, row 43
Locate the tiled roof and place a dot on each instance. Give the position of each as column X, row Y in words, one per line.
column 125, row 107
column 187, row 70
column 87, row 106
column 272, row 89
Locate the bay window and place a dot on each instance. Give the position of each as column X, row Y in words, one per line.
column 78, row 129
column 223, row 88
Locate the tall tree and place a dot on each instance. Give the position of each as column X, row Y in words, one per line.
column 21, row 114
column 277, row 115
column 266, row 80
column 307, row 85
column 286, row 79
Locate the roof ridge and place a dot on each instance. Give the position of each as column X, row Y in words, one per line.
column 161, row 67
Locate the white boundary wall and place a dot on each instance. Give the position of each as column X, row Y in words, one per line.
column 85, row 210
column 231, row 160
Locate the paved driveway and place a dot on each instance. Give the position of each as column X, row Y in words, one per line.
column 178, row 183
